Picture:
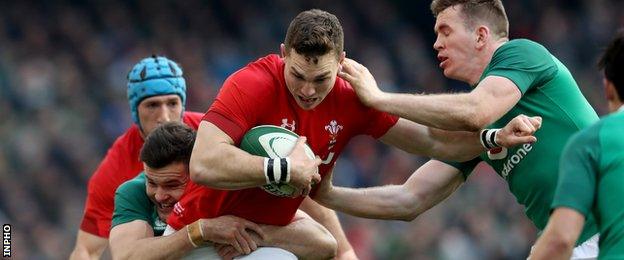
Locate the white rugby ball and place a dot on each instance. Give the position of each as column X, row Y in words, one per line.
column 273, row 142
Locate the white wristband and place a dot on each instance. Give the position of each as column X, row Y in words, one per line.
column 277, row 170
column 488, row 138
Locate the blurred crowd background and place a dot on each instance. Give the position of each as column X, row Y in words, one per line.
column 63, row 102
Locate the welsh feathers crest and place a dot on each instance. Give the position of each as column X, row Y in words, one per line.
column 333, row 128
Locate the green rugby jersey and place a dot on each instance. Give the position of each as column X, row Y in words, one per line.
column 592, row 181
column 548, row 90
column 132, row 203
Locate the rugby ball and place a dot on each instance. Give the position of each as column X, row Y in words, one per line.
column 273, row 142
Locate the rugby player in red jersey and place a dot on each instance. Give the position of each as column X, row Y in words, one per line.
column 300, row 91
column 157, row 94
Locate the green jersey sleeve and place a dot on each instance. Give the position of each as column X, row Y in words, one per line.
column 526, row 63
column 131, row 202
column 577, row 172
column 465, row 168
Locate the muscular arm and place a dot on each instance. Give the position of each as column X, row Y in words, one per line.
column 135, row 240
column 429, row 185
column 560, row 235
column 329, row 220
column 88, row 246
column 428, row 141
column 217, row 163
column 457, row 145
column 489, row 101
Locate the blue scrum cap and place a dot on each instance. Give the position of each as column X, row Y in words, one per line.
column 154, row 76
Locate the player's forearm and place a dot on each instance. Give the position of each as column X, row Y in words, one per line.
column 455, row 145
column 329, row 220
column 224, row 166
column 548, row 248
column 88, row 246
column 305, row 238
column 560, row 235
column 451, row 112
column 173, row 246
column 82, row 253
column 386, row 202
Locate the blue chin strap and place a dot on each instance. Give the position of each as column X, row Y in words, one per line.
column 154, row 76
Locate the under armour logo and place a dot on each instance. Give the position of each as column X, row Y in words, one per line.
column 178, row 209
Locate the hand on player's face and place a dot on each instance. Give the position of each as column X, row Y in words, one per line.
column 361, row 80
column 303, row 170
column 518, row 131
column 233, row 231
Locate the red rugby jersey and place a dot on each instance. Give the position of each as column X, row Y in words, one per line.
column 257, row 95
column 120, row 164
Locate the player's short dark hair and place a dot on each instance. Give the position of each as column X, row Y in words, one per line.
column 490, row 12
column 612, row 62
column 168, row 143
column 315, row 33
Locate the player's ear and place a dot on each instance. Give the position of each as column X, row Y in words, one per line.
column 342, row 57
column 483, row 33
column 283, row 50
column 609, row 89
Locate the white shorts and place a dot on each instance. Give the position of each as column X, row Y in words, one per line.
column 262, row 253
column 588, row 250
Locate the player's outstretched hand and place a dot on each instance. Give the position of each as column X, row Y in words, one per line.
column 518, row 131
column 303, row 170
column 362, row 81
column 234, row 231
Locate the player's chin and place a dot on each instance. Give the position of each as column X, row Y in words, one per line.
column 310, row 103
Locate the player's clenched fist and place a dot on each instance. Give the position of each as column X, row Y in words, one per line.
column 303, row 170
column 519, row 130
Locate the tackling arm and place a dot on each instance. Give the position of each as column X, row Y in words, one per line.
column 456, row 145
column 429, row 185
column 135, row 240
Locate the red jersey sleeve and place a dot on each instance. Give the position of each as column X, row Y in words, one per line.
column 117, row 167
column 120, row 164
column 192, row 206
column 244, row 97
column 379, row 123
